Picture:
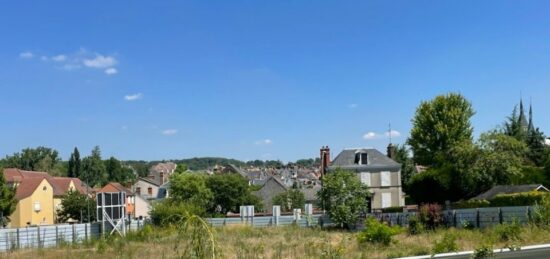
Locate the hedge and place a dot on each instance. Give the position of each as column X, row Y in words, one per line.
column 518, row 199
column 468, row 204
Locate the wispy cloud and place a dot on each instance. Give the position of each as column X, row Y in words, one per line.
column 370, row 135
column 393, row 134
column 264, row 142
column 100, row 61
column 111, row 71
column 373, row 135
column 58, row 58
column 26, row 55
column 133, row 97
column 169, row 132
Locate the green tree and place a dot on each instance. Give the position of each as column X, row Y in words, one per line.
column 537, row 149
column 94, row 172
column 190, row 188
column 74, row 166
column 291, row 199
column 438, row 125
column 76, row 205
column 344, row 197
column 230, row 191
column 34, row 159
column 407, row 165
column 7, row 200
column 181, row 168
column 117, row 172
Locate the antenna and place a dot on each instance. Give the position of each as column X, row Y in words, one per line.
column 389, row 131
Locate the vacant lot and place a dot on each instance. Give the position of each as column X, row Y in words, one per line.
column 283, row 242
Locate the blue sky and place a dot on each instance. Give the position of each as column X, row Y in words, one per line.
column 258, row 79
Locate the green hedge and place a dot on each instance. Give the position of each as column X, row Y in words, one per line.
column 518, row 199
column 392, row 209
column 468, row 204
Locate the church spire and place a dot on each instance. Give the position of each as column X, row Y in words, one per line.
column 522, row 120
column 531, row 127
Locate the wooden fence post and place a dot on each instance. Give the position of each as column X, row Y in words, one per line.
column 500, row 216
column 38, row 235
column 18, row 243
column 74, row 234
column 454, row 219
column 56, row 236
column 477, row 219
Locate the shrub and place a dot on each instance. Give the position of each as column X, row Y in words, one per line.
column 483, row 252
column 392, row 209
column 466, row 224
column 415, row 226
column 518, row 199
column 430, row 215
column 541, row 214
column 446, row 244
column 468, row 204
column 169, row 212
column 376, row 232
column 508, row 231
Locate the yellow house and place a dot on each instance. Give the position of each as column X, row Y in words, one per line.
column 39, row 196
column 35, row 206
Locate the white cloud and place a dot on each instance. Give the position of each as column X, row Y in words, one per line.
column 547, row 141
column 393, row 134
column 70, row 67
column 370, row 135
column 264, row 142
column 100, row 61
column 111, row 71
column 353, row 106
column 133, row 97
column 169, row 132
column 26, row 55
column 59, row 58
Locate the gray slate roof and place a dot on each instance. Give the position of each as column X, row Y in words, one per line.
column 376, row 159
column 509, row 189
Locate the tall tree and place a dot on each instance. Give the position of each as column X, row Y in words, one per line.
column 7, row 200
column 74, row 168
column 229, row 192
column 117, row 172
column 190, row 188
column 403, row 157
column 93, row 169
column 438, row 125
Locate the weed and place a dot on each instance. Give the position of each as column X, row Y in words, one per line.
column 376, row 232
column 446, row 244
column 508, row 231
column 483, row 252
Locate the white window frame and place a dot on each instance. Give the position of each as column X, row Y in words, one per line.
column 385, row 178
column 365, row 178
column 386, row 200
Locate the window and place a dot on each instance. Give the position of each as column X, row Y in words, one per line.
column 365, row 178
column 37, row 206
column 150, row 191
column 385, row 178
column 361, row 158
column 138, row 190
column 386, row 200
column 44, row 188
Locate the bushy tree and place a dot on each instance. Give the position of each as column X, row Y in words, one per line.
column 117, row 172
column 403, row 157
column 181, row 168
column 291, row 199
column 36, row 159
column 7, row 200
column 93, row 169
column 344, row 197
column 230, row 191
column 191, row 188
column 438, row 125
column 76, row 206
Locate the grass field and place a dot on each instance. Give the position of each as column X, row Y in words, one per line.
column 284, row 242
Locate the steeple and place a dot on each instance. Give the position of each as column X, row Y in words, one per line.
column 522, row 120
column 531, row 127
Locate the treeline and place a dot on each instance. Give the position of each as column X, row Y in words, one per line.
column 457, row 167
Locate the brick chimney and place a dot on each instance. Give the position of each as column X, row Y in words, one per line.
column 325, row 159
column 391, row 151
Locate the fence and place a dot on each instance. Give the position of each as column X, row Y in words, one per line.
column 480, row 217
column 267, row 221
column 54, row 235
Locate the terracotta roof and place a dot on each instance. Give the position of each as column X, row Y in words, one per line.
column 27, row 187
column 116, row 187
column 60, row 185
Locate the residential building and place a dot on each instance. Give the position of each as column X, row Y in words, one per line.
column 270, row 189
column 146, row 188
column 160, row 173
column 510, row 189
column 380, row 172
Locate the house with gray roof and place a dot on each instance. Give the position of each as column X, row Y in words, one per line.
column 510, row 189
column 380, row 172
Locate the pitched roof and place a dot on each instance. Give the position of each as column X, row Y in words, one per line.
column 509, row 189
column 346, row 159
column 116, row 187
column 60, row 185
column 27, row 187
column 147, row 180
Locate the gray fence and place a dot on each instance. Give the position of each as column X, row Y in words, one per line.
column 54, row 235
column 480, row 217
column 267, row 221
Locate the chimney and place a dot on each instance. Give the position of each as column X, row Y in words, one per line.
column 325, row 159
column 391, row 151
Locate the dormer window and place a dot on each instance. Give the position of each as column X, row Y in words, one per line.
column 361, row 157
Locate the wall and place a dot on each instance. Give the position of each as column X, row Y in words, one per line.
column 24, row 211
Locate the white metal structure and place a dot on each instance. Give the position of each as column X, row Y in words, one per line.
column 111, row 208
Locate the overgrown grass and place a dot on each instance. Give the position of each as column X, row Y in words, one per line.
column 244, row 242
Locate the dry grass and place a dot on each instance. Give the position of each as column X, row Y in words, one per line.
column 283, row 242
